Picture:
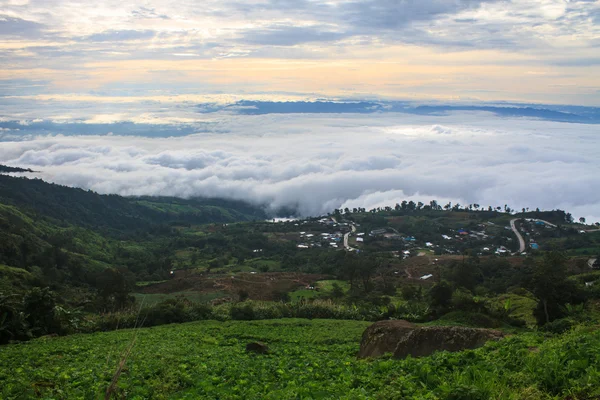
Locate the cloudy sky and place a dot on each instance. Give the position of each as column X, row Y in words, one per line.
column 434, row 99
column 504, row 50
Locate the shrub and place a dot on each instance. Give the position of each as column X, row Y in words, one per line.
column 557, row 326
column 242, row 311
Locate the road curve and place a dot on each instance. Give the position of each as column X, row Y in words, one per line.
column 346, row 236
column 521, row 240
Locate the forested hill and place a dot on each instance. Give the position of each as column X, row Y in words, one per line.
column 7, row 169
column 72, row 206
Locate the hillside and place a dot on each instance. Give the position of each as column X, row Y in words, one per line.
column 75, row 263
column 66, row 236
column 115, row 214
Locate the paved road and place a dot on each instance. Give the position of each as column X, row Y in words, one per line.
column 346, row 236
column 545, row 222
column 521, row 241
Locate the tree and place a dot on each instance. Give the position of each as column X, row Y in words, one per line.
column 568, row 218
column 411, row 292
column 336, row 291
column 440, row 295
column 13, row 323
column 582, row 220
column 465, row 274
column 39, row 307
column 550, row 286
column 114, row 286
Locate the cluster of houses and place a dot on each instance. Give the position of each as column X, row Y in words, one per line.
column 451, row 242
column 448, row 243
column 333, row 240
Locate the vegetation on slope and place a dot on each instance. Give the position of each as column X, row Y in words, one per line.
column 308, row 359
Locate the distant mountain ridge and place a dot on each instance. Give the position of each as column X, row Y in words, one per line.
column 575, row 114
column 7, row 169
column 73, row 206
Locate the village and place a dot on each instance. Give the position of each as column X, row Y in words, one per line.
column 485, row 239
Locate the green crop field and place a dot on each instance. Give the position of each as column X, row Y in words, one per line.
column 309, row 359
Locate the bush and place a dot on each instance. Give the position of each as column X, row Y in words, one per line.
column 463, row 300
column 243, row 311
column 557, row 326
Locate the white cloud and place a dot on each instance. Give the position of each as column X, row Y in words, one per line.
column 320, row 162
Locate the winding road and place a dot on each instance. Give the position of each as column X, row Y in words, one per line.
column 521, row 240
column 346, row 236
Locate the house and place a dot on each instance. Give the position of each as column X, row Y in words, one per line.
column 535, row 246
column 359, row 239
column 446, row 237
column 502, row 250
column 429, row 244
column 425, row 277
column 410, row 239
column 302, row 246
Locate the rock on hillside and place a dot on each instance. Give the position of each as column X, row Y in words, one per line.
column 403, row 338
column 425, row 341
column 383, row 337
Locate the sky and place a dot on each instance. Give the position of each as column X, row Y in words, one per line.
column 460, row 50
column 462, row 101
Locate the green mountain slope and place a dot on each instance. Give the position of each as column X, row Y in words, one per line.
column 64, row 236
column 72, row 206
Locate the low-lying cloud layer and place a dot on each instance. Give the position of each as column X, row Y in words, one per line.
column 316, row 163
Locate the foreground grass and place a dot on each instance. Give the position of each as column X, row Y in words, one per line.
column 310, row 359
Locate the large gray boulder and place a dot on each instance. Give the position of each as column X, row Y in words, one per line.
column 383, row 337
column 425, row 341
column 402, row 338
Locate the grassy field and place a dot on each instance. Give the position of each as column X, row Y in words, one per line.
column 297, row 295
column 309, row 359
column 327, row 285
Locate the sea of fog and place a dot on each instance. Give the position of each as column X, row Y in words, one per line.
column 315, row 162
